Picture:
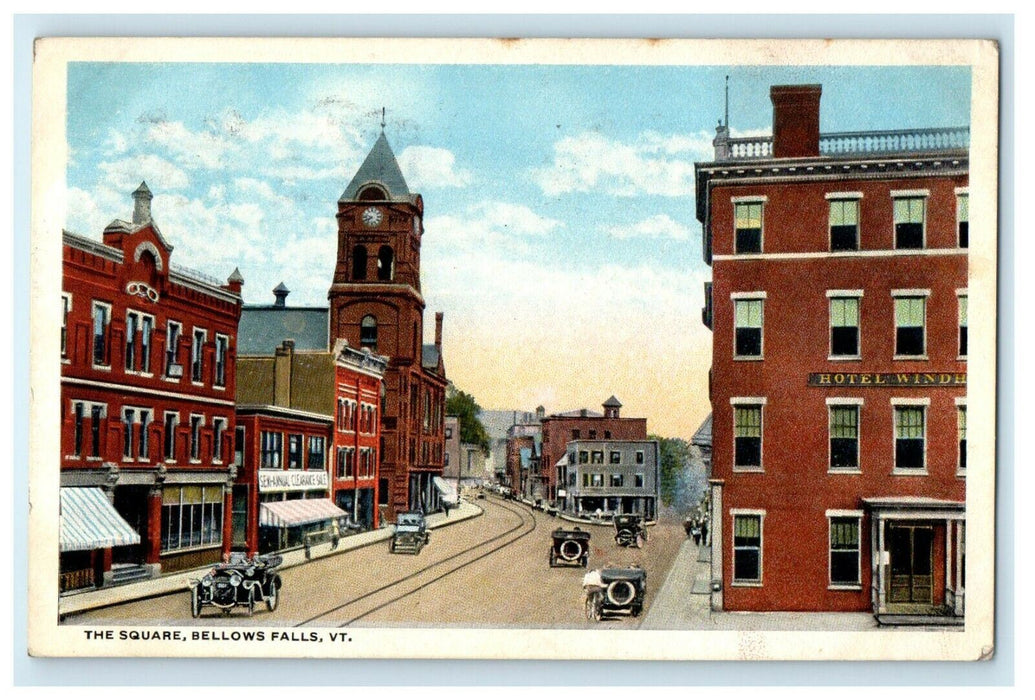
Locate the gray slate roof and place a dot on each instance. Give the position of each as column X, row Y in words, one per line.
column 381, row 167
column 263, row 328
column 429, row 357
column 703, row 436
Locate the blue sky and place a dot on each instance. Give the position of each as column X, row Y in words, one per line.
column 560, row 235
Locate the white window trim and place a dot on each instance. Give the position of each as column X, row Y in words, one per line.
column 201, row 354
column 912, row 194
column 831, row 586
column 760, row 513
column 832, row 294
column 735, row 400
column 748, row 296
column 93, row 305
column 65, row 359
column 909, row 194
column 961, row 403
column 201, row 426
column 165, row 436
column 165, row 359
column 216, row 449
column 841, row 402
column 910, row 293
column 925, row 403
column 129, row 427
column 750, row 199
column 748, row 401
column 151, row 419
column 961, row 190
column 834, row 196
column 226, row 362
column 961, row 294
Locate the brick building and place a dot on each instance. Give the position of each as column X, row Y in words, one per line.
column 561, row 428
column 838, row 306
column 307, row 439
column 148, row 356
column 376, row 303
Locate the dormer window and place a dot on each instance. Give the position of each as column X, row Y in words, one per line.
column 372, row 192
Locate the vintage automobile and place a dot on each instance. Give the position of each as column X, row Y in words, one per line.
column 411, row 533
column 630, row 531
column 241, row 581
column 569, row 547
column 620, row 591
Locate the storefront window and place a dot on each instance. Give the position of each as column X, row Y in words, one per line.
column 192, row 516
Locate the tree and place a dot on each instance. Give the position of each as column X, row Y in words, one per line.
column 463, row 406
column 675, row 460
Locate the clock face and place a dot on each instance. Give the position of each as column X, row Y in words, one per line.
column 372, row 217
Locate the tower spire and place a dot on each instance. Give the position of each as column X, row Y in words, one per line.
column 727, row 123
column 383, row 119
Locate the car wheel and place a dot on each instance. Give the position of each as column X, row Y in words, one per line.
column 195, row 603
column 594, row 607
column 391, row 547
column 273, row 598
column 585, row 562
column 571, row 550
column 553, row 559
column 636, row 610
column 621, row 593
column 251, row 602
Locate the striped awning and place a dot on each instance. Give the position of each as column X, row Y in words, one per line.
column 300, row 511
column 446, row 490
column 90, row 521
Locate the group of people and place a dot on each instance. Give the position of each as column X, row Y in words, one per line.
column 696, row 528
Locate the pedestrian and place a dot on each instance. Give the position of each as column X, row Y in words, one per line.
column 704, row 532
column 697, row 534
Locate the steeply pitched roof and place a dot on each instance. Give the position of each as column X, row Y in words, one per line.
column 703, row 436
column 379, row 167
column 263, row 328
column 613, row 402
column 429, row 357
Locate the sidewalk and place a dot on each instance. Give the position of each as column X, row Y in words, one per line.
column 176, row 582
column 684, row 603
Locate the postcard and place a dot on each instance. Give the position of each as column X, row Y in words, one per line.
column 513, row 349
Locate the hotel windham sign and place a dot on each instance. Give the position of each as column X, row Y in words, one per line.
column 888, row 379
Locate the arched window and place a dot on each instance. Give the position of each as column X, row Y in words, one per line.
column 385, row 264
column 368, row 332
column 372, row 192
column 359, row 263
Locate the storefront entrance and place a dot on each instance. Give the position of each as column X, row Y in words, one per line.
column 911, row 549
column 131, row 503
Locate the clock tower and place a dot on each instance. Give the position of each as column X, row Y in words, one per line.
column 375, row 302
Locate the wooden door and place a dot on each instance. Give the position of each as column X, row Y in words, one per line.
column 911, row 551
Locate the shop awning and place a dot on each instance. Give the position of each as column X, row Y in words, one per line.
column 300, row 511
column 446, row 489
column 90, row 521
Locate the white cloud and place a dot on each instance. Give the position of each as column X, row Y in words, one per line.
column 426, row 167
column 125, row 175
column 190, row 149
column 496, row 225
column 657, row 226
column 591, row 162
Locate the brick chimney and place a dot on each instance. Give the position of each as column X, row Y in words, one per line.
column 282, row 362
column 438, row 329
column 795, row 120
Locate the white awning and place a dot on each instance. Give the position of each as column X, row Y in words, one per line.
column 446, row 489
column 90, row 521
column 563, row 461
column 299, row 511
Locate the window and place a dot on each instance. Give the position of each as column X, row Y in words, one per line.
column 747, row 437
column 192, row 516
column 963, row 219
column 66, row 307
column 218, row 431
column 592, row 435
column 222, row 343
column 445, row 461
column 385, row 264
column 96, row 413
column 909, row 222
column 844, row 224
column 576, row 434
column 196, row 355
column 748, row 225
column 596, row 480
column 747, row 548
column 368, row 332
column 909, row 437
column 597, row 457
column 961, row 433
column 101, row 323
column 143, row 442
column 449, row 433
column 617, row 480
column 748, row 323
column 963, row 324
column 639, row 456
column 317, row 452
column 844, row 437
column 195, row 437
column 844, row 327
column 173, row 369
column 147, row 329
column 132, row 327
column 170, row 423
column 271, row 448
column 345, row 462
column 910, row 314
column 844, row 551
column 616, row 457
column 77, row 440
column 359, row 263
column 294, row 451
column 239, row 446
column 129, row 416
column 638, row 481
column 583, row 456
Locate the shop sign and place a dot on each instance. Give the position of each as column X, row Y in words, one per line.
column 291, row 480
column 888, row 379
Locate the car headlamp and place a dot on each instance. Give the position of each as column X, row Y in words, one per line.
column 207, row 580
column 235, row 579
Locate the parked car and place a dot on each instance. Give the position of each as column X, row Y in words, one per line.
column 621, row 591
column 569, row 547
column 630, row 531
column 411, row 533
column 241, row 581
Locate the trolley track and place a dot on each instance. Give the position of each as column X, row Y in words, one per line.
column 401, row 581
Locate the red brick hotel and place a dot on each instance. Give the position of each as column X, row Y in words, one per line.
column 838, row 306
